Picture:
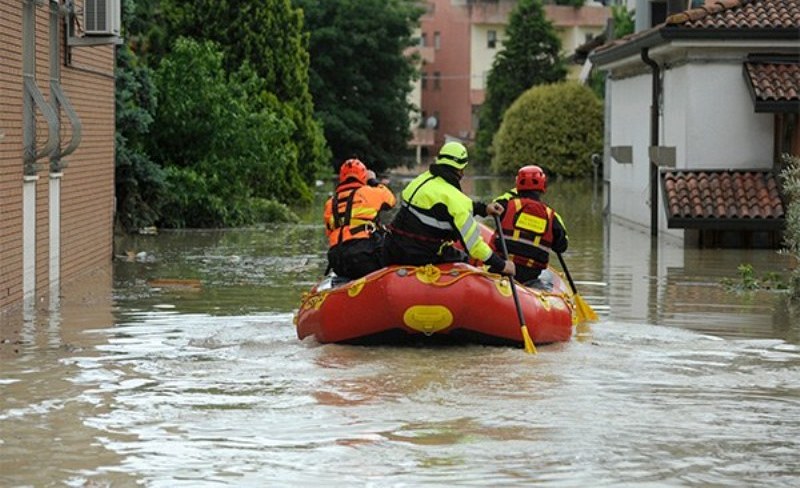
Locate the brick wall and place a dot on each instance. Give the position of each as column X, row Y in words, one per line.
column 87, row 185
column 10, row 152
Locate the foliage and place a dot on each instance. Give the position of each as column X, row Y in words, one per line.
column 241, row 152
column 139, row 183
column 557, row 127
column 747, row 281
column 530, row 56
column 790, row 177
column 624, row 22
column 360, row 77
column 269, row 35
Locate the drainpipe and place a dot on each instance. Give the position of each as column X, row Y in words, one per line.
column 654, row 103
column 32, row 99
column 58, row 99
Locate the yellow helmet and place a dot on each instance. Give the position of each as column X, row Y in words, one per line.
column 453, row 154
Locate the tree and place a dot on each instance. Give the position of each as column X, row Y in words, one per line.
column 624, row 23
column 269, row 36
column 557, row 127
column 227, row 152
column 139, row 183
column 530, row 56
column 360, row 75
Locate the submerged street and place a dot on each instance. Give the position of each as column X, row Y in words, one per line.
column 179, row 366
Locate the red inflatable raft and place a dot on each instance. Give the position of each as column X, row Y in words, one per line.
column 447, row 303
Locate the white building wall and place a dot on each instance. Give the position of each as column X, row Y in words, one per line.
column 481, row 56
column 719, row 126
column 630, row 126
column 706, row 114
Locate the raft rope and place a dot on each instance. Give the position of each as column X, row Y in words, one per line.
column 431, row 271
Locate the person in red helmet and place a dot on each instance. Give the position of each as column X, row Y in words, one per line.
column 352, row 222
column 531, row 228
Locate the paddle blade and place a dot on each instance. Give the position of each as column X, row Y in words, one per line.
column 584, row 311
column 529, row 347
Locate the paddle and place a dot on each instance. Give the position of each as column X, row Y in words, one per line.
column 529, row 347
column 584, row 311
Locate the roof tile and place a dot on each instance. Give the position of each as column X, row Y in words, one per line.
column 740, row 14
column 774, row 80
column 722, row 195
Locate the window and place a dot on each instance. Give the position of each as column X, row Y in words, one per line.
column 437, row 40
column 424, row 80
column 491, row 39
column 437, row 80
column 423, row 40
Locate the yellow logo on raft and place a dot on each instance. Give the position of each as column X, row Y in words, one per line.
column 428, row 318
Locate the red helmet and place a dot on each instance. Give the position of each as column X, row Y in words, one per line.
column 353, row 168
column 531, row 178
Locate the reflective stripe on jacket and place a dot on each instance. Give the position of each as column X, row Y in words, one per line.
column 433, row 209
column 355, row 213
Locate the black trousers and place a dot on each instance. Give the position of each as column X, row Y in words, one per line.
column 358, row 257
column 406, row 250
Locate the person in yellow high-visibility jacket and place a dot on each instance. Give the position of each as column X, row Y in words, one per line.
column 352, row 225
column 435, row 213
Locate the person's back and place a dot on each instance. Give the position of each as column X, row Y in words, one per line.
column 531, row 228
column 352, row 221
column 435, row 214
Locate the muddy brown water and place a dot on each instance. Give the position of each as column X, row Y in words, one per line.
column 179, row 366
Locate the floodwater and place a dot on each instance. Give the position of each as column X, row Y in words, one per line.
column 179, row 366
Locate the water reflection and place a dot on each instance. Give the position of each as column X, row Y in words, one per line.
column 667, row 284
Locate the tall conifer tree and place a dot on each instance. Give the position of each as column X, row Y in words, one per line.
column 530, row 56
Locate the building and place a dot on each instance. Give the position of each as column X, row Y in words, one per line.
column 465, row 36
column 56, row 143
column 699, row 109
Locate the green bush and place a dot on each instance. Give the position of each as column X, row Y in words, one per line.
column 790, row 176
column 557, row 127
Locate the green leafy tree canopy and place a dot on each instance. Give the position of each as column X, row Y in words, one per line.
column 139, row 183
column 266, row 34
column 241, row 154
column 361, row 76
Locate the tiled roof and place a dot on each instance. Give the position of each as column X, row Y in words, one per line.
column 722, row 199
column 774, row 83
column 739, row 19
column 740, row 14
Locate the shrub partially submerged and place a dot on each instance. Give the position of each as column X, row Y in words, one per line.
column 557, row 127
column 790, row 176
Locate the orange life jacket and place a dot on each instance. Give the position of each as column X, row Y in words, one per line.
column 528, row 228
column 352, row 212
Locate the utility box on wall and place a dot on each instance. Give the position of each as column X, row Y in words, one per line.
column 101, row 17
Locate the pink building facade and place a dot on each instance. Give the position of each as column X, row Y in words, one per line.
column 460, row 39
